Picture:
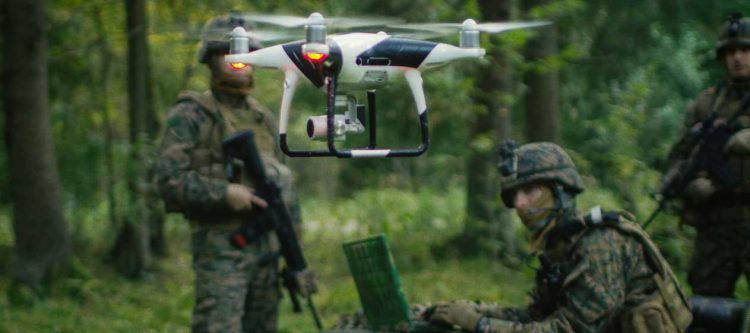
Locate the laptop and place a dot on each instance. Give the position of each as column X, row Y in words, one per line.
column 378, row 284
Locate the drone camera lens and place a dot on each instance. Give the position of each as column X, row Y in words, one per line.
column 310, row 128
column 317, row 127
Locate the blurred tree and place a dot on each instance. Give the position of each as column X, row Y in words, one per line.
column 99, row 88
column 488, row 225
column 131, row 249
column 42, row 242
column 541, row 100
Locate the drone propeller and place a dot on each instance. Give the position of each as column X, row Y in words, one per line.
column 259, row 35
column 469, row 29
column 469, row 24
column 422, row 35
column 339, row 23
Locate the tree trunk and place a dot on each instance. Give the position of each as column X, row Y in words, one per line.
column 489, row 226
column 99, row 92
column 131, row 250
column 42, row 240
column 542, row 99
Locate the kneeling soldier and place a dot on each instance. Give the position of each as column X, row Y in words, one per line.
column 600, row 272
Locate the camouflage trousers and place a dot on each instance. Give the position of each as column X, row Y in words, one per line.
column 720, row 256
column 234, row 291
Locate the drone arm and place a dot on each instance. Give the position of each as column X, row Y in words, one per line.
column 270, row 57
column 444, row 53
column 290, row 86
column 414, row 78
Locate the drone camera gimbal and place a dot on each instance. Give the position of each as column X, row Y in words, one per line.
column 334, row 127
column 351, row 121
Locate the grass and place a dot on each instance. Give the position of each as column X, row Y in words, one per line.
column 162, row 300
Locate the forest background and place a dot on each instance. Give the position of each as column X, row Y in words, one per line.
column 609, row 81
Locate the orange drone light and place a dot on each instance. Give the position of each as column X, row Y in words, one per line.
column 315, row 56
column 238, row 66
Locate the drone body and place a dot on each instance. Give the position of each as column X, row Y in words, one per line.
column 363, row 60
column 348, row 63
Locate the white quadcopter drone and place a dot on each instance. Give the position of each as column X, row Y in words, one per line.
column 353, row 62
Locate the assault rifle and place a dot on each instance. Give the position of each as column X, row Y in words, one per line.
column 276, row 218
column 709, row 139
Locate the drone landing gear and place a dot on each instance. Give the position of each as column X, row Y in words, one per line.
column 335, row 126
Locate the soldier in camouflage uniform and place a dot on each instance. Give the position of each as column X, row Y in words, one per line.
column 720, row 215
column 236, row 290
column 599, row 272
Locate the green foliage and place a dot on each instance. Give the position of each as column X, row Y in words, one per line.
column 404, row 216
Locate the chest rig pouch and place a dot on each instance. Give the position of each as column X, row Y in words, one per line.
column 668, row 310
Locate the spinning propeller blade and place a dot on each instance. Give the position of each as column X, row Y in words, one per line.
column 490, row 27
column 260, row 35
column 339, row 23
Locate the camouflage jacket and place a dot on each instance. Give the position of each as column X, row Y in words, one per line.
column 189, row 170
column 604, row 272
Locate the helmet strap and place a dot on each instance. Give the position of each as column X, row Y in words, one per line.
column 564, row 204
column 563, row 200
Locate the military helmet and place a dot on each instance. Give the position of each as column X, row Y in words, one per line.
column 536, row 162
column 215, row 35
column 736, row 32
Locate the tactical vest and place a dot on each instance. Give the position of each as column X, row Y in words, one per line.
column 724, row 104
column 727, row 205
column 207, row 157
column 669, row 309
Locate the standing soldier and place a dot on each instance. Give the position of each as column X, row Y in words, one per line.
column 719, row 212
column 236, row 289
column 599, row 272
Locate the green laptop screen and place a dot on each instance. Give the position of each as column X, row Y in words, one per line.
column 383, row 302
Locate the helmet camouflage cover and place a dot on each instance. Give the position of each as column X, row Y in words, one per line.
column 736, row 32
column 215, row 35
column 533, row 163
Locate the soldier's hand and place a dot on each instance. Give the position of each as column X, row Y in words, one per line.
column 241, row 198
column 700, row 189
column 739, row 143
column 307, row 282
column 458, row 314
